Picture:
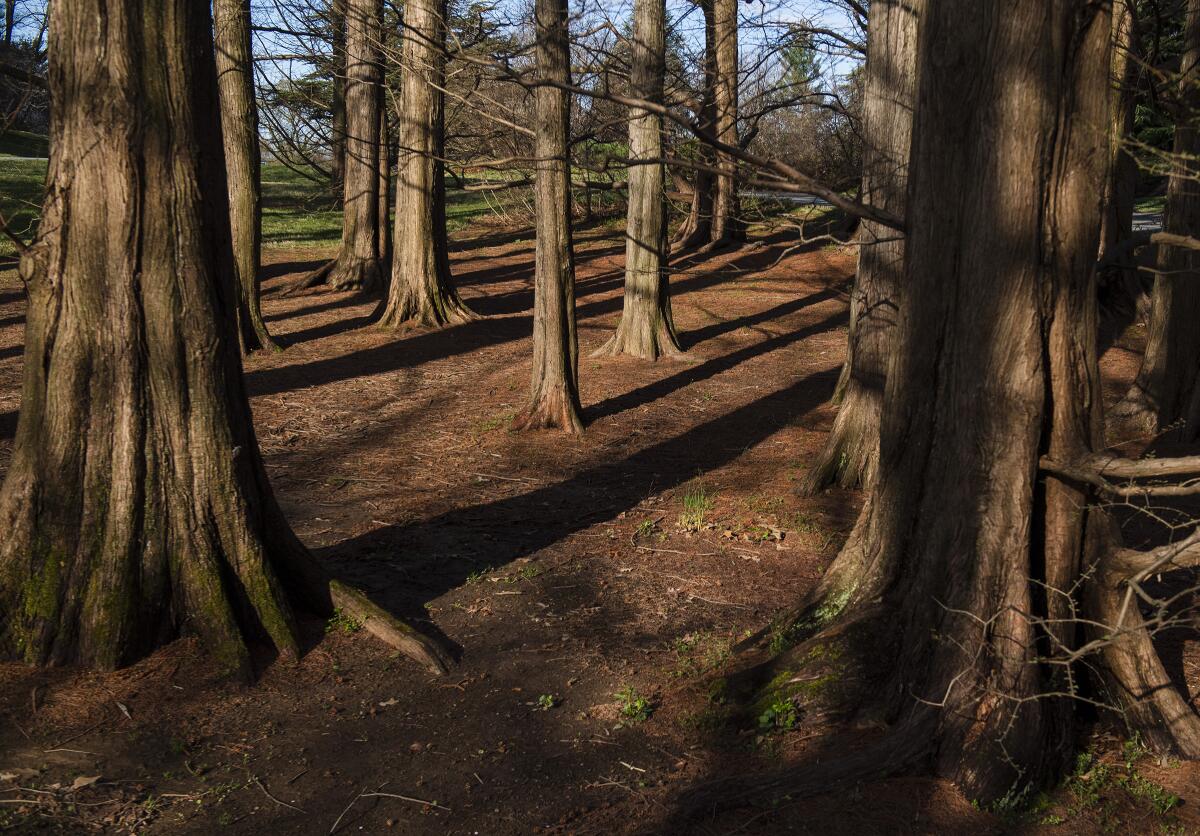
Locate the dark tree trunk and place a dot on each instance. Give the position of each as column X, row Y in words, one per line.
column 136, row 506
column 383, row 191
column 1120, row 288
column 337, row 164
column 554, row 397
column 727, row 224
column 851, row 454
column 239, row 127
column 358, row 265
column 646, row 328
column 422, row 292
column 697, row 227
column 1165, row 391
column 934, row 616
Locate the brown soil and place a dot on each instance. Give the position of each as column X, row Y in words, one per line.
column 565, row 569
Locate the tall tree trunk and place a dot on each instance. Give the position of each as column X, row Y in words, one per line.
column 358, row 265
column 851, row 454
column 646, row 328
column 697, row 227
column 337, row 163
column 10, row 19
column 136, row 506
column 1166, row 383
column 239, row 127
column 963, row 565
column 422, row 292
column 383, row 192
column 727, row 224
column 1120, row 287
column 554, row 396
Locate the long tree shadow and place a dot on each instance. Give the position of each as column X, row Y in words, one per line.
column 283, row 268
column 8, row 424
column 441, row 553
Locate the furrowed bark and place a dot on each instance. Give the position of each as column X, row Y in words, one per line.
column 337, row 164
column 727, row 224
column 422, row 292
column 136, row 507
column 1165, row 391
column 239, row 127
column 850, row 457
column 646, row 328
column 358, row 265
column 554, row 395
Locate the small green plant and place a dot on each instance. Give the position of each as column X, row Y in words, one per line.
column 342, row 621
column 634, row 707
column 1161, row 800
column 478, row 575
column 495, row 422
column 645, row 528
column 780, row 715
column 546, row 702
column 697, row 503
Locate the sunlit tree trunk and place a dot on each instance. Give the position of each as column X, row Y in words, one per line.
column 337, row 164
column 554, row 396
column 239, row 127
column 646, row 328
column 851, row 454
column 136, row 506
column 422, row 292
column 727, row 224
column 696, row 228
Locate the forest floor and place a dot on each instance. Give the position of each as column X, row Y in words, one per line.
column 590, row 582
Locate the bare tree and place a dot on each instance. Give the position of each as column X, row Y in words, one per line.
column 136, row 506
column 727, row 226
column 554, row 396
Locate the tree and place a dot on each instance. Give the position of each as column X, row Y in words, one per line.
column 959, row 584
column 422, row 292
column 696, row 228
column 727, row 225
column 646, row 328
column 239, row 127
column 851, row 453
column 554, row 396
column 359, row 264
column 337, row 162
column 136, row 506
column 1165, row 390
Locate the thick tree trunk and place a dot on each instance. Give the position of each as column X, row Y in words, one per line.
column 554, row 396
column 358, row 265
column 422, row 292
column 239, row 127
column 696, row 229
column 935, row 615
column 337, row 163
column 727, row 224
column 851, row 454
column 1120, row 288
column 646, row 328
column 136, row 506
column 383, row 192
column 1165, row 390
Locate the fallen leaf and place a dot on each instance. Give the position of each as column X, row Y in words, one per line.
column 389, row 702
column 124, row 711
column 84, row 781
column 17, row 773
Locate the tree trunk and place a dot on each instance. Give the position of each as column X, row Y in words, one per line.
column 697, row 227
column 1165, row 388
column 964, row 562
column 1120, row 287
column 422, row 292
column 358, row 265
column 646, row 328
column 383, row 191
column 136, row 506
column 554, row 397
column 727, row 224
column 337, row 164
column 10, row 19
column 851, row 454
column 239, row 127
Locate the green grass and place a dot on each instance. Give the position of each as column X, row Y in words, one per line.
column 24, row 144
column 21, row 182
column 1155, row 203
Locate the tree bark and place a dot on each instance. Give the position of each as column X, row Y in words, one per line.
column 962, row 571
column 243, row 165
column 1165, row 391
column 383, row 191
column 422, row 292
column 851, row 454
column 646, row 328
column 727, row 224
column 697, row 227
column 554, row 395
column 337, row 164
column 358, row 265
column 136, row 506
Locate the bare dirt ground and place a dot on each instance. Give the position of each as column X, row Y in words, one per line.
column 567, row 571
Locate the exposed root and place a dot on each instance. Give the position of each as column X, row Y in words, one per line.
column 555, row 408
column 316, row 277
column 644, row 343
column 850, row 457
column 389, row 629
column 424, row 311
column 345, row 273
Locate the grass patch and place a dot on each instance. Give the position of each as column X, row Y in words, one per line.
column 697, row 503
column 24, row 144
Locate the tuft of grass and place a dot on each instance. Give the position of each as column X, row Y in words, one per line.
column 697, row 503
